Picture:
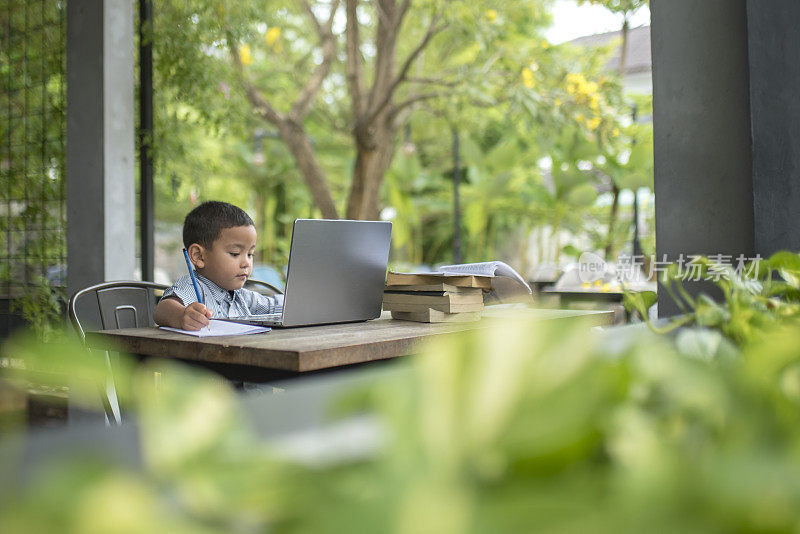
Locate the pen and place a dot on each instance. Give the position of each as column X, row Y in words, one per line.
column 194, row 280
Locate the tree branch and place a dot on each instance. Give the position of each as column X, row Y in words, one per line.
column 333, row 121
column 403, row 10
column 382, row 15
column 386, row 34
column 329, row 25
column 313, row 17
column 306, row 97
column 435, row 81
column 401, row 111
column 355, row 62
column 387, row 97
column 260, row 104
column 413, row 99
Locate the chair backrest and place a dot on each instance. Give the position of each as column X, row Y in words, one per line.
column 114, row 305
column 265, row 288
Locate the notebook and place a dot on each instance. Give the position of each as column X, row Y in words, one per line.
column 336, row 273
column 218, row 327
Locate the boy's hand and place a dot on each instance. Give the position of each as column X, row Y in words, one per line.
column 195, row 316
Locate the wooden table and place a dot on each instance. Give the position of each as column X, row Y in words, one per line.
column 288, row 352
column 594, row 297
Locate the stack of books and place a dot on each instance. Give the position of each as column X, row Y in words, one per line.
column 435, row 297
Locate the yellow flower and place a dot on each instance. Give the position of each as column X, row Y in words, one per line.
column 575, row 79
column 615, row 132
column 272, row 35
column 594, row 102
column 245, row 56
column 545, row 45
column 593, row 123
column 591, row 87
column 491, row 14
column 557, row 102
column 579, row 117
column 527, row 77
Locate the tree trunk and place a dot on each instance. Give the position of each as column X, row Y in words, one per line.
column 374, row 152
column 261, row 226
column 375, row 114
column 299, row 145
column 612, row 221
column 623, row 53
column 623, row 64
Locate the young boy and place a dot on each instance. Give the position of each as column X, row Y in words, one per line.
column 220, row 239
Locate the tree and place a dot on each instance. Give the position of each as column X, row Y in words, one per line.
column 556, row 106
column 626, row 8
column 369, row 92
column 485, row 70
column 290, row 123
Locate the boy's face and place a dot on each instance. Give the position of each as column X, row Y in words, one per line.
column 229, row 261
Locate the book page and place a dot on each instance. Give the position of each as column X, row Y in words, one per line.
column 221, row 328
column 486, row 268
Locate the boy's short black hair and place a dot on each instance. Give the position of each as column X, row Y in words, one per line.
column 205, row 223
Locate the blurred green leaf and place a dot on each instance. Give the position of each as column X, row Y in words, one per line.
column 583, row 195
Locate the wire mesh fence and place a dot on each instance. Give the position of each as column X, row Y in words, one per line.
column 32, row 148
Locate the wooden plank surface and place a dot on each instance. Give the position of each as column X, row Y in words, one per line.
column 310, row 348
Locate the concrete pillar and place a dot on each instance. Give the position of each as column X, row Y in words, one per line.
column 100, row 142
column 702, row 148
column 775, row 114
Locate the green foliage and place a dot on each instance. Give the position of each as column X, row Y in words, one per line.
column 514, row 99
column 208, row 145
column 32, row 174
column 561, row 110
column 514, row 428
column 752, row 298
column 618, row 6
column 41, row 307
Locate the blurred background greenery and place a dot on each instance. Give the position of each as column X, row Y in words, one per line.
column 345, row 109
column 545, row 139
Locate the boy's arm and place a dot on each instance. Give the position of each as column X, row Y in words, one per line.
column 171, row 312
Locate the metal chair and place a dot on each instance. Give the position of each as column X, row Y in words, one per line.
column 265, row 288
column 110, row 306
column 113, row 305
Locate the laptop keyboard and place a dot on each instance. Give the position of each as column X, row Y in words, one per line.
column 276, row 316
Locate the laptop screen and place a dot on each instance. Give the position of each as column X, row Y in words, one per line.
column 336, row 272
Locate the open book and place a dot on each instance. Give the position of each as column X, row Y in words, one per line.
column 486, row 268
column 220, row 327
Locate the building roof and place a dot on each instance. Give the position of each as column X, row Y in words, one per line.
column 639, row 58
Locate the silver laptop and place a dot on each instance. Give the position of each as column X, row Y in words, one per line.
column 336, row 273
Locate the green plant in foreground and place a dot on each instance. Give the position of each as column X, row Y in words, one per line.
column 752, row 300
column 518, row 428
column 40, row 306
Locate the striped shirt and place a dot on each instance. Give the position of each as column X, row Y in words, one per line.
column 222, row 302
